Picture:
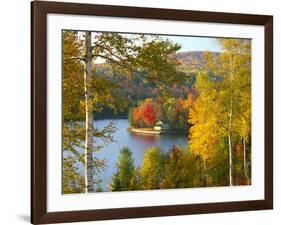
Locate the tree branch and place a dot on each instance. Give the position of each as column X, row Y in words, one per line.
column 74, row 58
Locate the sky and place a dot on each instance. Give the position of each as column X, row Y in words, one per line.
column 195, row 43
column 189, row 43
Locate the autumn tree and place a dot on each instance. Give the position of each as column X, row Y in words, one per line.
column 174, row 168
column 76, row 97
column 222, row 109
column 172, row 110
column 127, row 53
column 73, row 181
column 74, row 108
column 236, row 71
column 244, row 123
column 146, row 114
column 206, row 116
column 176, row 111
column 136, row 181
column 152, row 170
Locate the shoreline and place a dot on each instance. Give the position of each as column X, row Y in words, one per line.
column 147, row 131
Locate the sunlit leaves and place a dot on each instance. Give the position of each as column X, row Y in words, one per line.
column 72, row 76
column 223, row 108
column 152, row 169
column 175, row 169
column 72, row 180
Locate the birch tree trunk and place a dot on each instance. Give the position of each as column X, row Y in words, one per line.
column 230, row 112
column 230, row 142
column 88, row 155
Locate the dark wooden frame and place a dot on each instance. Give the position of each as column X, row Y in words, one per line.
column 39, row 11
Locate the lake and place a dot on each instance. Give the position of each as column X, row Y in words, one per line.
column 137, row 143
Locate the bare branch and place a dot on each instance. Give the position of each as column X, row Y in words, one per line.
column 74, row 58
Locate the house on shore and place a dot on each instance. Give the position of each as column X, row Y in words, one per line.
column 159, row 126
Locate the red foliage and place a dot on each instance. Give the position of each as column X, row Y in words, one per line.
column 148, row 114
column 149, row 111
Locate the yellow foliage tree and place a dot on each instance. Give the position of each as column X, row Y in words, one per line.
column 222, row 109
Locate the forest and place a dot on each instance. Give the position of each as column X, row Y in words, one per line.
column 145, row 80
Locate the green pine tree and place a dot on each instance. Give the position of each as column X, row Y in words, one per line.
column 121, row 180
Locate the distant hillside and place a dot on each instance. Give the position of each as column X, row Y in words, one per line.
column 193, row 60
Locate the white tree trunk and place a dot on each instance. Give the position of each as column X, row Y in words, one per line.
column 230, row 112
column 88, row 155
column 230, row 143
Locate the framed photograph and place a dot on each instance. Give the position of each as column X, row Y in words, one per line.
column 144, row 112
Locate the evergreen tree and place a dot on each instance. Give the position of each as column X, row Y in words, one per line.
column 136, row 182
column 121, row 180
column 116, row 183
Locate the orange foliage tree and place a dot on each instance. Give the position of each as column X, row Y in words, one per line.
column 146, row 114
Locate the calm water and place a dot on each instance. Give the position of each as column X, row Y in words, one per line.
column 135, row 142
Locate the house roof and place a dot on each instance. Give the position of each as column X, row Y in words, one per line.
column 159, row 123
